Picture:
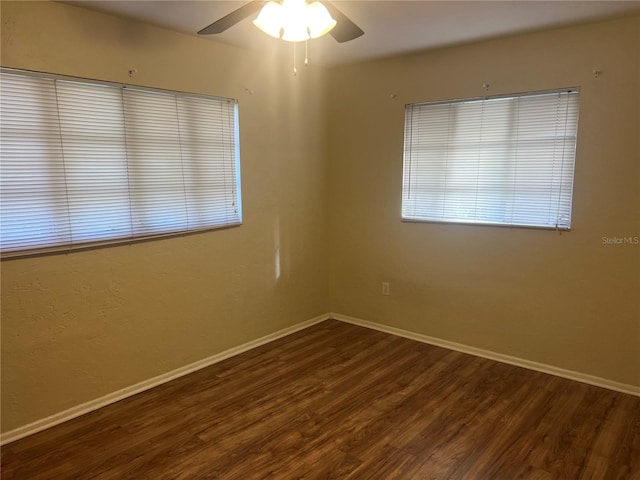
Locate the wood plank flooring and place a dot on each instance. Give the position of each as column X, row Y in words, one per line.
column 337, row 401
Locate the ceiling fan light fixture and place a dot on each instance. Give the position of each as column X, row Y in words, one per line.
column 270, row 19
column 296, row 20
column 273, row 19
column 319, row 20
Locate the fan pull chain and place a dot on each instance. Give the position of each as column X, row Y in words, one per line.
column 295, row 70
column 306, row 56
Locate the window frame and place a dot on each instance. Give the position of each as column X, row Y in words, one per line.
column 133, row 238
column 413, row 219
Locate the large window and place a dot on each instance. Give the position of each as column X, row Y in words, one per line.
column 503, row 160
column 89, row 163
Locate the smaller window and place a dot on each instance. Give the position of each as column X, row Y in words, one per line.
column 496, row 161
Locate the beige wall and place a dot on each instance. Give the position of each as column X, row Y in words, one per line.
column 78, row 326
column 560, row 299
column 82, row 325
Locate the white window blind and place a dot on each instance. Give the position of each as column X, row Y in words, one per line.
column 94, row 163
column 504, row 161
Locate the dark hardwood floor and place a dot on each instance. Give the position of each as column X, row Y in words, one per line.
column 338, row 401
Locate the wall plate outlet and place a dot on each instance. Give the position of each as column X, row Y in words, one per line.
column 385, row 288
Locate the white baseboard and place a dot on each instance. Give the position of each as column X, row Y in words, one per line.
column 499, row 357
column 92, row 405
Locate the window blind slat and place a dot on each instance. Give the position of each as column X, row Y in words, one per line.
column 85, row 162
column 498, row 161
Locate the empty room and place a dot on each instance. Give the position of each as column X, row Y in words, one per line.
column 335, row 239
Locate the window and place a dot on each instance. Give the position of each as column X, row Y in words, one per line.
column 90, row 163
column 497, row 161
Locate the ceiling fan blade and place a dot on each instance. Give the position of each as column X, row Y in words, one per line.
column 232, row 18
column 345, row 29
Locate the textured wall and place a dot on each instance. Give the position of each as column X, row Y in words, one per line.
column 560, row 299
column 81, row 325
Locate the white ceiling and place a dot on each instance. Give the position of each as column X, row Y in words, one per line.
column 391, row 26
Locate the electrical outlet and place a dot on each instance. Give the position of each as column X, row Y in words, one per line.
column 385, row 288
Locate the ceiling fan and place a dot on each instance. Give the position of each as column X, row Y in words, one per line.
column 332, row 20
